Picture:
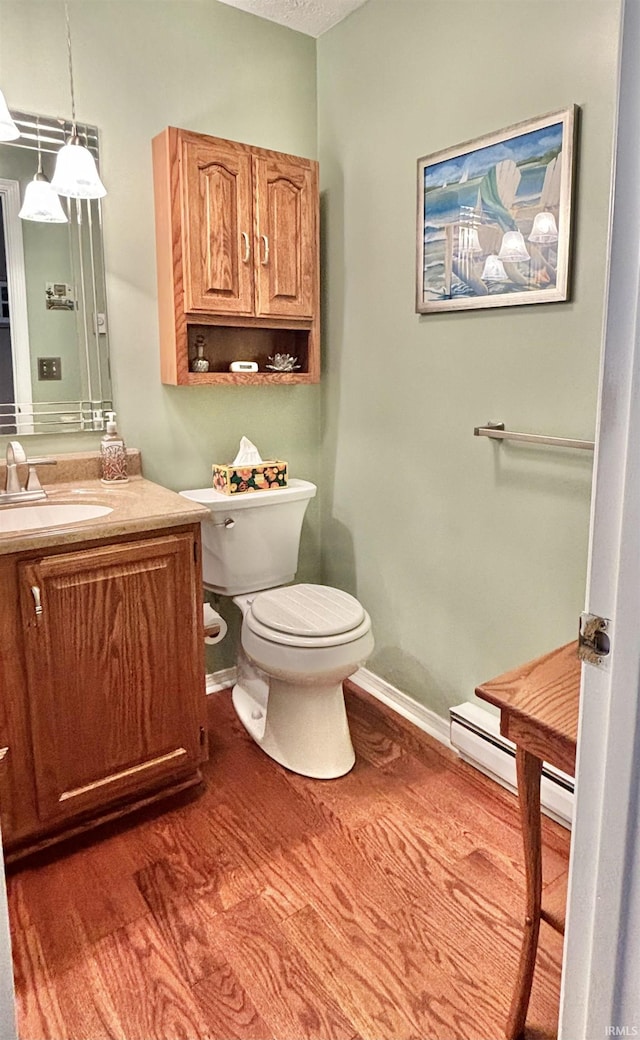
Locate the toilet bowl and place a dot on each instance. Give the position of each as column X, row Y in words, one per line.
column 299, row 644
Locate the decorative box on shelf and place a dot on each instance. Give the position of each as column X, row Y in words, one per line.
column 264, row 476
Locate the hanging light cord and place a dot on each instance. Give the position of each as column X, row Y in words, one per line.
column 73, row 97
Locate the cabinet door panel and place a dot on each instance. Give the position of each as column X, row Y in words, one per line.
column 113, row 659
column 217, row 227
column 286, row 213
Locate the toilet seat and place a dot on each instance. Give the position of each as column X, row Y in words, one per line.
column 307, row 616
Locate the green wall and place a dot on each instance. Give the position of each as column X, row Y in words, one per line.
column 470, row 556
column 138, row 67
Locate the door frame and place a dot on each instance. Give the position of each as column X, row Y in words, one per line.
column 17, row 292
column 601, row 967
column 8, row 1025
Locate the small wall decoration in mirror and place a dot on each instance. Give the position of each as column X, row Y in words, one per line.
column 494, row 218
column 59, row 296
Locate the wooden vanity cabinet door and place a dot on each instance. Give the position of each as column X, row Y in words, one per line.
column 116, row 696
column 286, row 209
column 217, row 226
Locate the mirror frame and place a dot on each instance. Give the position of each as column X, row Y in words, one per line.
column 24, row 416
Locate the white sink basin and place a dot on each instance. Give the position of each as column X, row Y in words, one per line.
column 32, row 517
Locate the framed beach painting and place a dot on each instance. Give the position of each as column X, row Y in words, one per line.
column 494, row 218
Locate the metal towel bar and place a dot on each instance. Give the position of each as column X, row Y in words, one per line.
column 497, row 432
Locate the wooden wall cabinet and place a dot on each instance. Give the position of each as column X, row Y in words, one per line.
column 237, row 233
column 103, row 683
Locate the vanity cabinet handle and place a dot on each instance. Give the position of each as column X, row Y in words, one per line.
column 35, row 592
column 247, row 247
column 265, row 259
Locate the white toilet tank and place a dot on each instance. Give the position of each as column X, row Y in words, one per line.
column 250, row 541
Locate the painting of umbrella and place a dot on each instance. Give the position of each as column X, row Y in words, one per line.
column 494, row 218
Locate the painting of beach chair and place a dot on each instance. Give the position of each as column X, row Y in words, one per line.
column 494, row 218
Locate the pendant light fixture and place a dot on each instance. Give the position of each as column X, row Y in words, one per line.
column 8, row 129
column 40, row 200
column 76, row 175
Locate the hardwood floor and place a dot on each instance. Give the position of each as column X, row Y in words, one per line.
column 385, row 905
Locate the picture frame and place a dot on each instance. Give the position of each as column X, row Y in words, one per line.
column 495, row 215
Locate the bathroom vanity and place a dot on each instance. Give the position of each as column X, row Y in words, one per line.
column 101, row 661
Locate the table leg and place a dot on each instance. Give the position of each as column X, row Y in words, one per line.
column 529, row 770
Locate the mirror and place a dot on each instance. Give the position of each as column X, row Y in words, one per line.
column 54, row 350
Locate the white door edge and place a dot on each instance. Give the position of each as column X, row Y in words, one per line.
column 8, row 1028
column 600, row 995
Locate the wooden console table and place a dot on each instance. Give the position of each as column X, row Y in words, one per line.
column 539, row 712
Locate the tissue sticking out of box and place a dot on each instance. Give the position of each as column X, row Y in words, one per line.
column 248, row 454
column 249, row 472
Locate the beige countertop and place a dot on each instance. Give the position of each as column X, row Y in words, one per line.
column 137, row 506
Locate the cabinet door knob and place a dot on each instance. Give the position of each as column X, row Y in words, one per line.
column 247, row 247
column 35, row 592
column 265, row 258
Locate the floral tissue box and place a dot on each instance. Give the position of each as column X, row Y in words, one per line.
column 266, row 476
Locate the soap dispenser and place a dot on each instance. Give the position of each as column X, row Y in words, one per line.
column 113, row 454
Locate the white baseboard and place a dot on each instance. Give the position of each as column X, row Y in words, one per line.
column 221, row 680
column 474, row 733
column 425, row 719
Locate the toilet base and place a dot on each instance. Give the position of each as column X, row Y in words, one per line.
column 303, row 727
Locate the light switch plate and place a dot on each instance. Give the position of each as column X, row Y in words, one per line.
column 49, row 368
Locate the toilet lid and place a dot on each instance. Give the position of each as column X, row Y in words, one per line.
column 308, row 610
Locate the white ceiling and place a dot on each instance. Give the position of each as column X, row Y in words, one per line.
column 312, row 17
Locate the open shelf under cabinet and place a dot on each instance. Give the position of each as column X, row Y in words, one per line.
column 223, row 345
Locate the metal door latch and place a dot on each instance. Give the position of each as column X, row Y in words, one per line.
column 594, row 643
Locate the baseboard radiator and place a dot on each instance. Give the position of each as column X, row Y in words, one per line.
column 475, row 735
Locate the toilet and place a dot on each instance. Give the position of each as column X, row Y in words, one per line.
column 298, row 642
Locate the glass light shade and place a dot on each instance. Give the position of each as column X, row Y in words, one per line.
column 493, row 270
column 544, row 228
column 76, row 175
column 41, row 202
column 8, row 129
column 513, row 249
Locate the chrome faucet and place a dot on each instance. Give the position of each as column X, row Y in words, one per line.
column 14, row 491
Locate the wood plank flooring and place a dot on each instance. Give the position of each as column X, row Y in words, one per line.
column 385, row 905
